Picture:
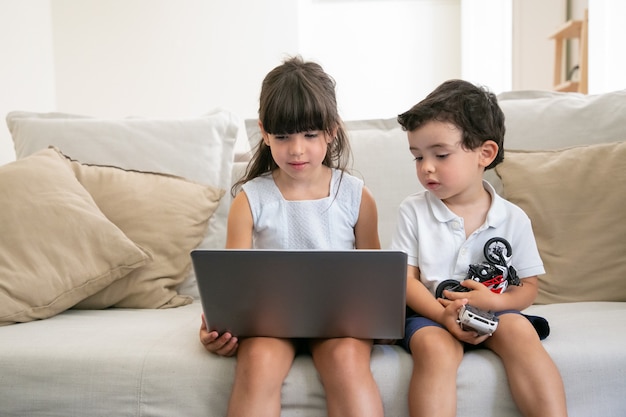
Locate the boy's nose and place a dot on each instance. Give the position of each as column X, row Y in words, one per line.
column 426, row 166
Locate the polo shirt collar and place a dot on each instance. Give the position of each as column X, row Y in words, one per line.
column 495, row 216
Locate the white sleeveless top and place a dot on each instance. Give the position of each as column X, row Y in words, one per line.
column 327, row 223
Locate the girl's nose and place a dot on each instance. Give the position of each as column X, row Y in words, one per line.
column 296, row 146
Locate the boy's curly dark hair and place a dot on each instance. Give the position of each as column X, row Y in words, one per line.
column 472, row 109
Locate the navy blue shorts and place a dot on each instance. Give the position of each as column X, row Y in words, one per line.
column 414, row 322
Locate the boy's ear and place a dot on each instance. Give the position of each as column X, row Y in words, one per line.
column 488, row 152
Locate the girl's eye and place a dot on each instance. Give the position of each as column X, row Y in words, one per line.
column 418, row 158
column 442, row 156
column 280, row 137
column 311, row 134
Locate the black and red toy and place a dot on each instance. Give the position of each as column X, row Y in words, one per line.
column 496, row 273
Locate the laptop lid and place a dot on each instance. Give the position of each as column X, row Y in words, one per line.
column 304, row 293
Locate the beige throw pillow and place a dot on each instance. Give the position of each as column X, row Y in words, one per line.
column 200, row 149
column 575, row 198
column 56, row 246
column 164, row 214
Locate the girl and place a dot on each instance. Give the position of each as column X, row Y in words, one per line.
column 296, row 194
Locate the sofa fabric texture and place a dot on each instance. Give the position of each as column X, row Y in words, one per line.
column 564, row 164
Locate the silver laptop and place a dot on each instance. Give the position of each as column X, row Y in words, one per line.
column 278, row 293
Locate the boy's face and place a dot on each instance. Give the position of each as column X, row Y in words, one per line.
column 444, row 167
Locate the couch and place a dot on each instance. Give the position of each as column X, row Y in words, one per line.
column 99, row 311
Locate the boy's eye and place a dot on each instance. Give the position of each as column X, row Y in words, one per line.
column 418, row 158
column 442, row 156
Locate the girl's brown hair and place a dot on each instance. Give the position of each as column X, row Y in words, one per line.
column 298, row 96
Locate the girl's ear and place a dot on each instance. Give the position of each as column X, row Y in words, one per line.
column 330, row 137
column 264, row 134
column 488, row 152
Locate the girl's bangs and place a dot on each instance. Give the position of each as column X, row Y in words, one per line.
column 297, row 113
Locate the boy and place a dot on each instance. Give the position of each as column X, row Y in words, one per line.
column 454, row 134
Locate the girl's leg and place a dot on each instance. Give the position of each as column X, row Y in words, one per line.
column 262, row 366
column 344, row 367
column 534, row 379
column 436, row 359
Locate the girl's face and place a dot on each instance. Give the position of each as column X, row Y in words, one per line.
column 443, row 166
column 298, row 154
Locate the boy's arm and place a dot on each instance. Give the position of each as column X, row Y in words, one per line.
column 514, row 298
column 519, row 297
column 420, row 300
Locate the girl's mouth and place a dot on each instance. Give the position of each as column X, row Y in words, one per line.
column 297, row 165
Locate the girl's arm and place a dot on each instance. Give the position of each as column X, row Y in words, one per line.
column 238, row 236
column 240, row 224
column 366, row 228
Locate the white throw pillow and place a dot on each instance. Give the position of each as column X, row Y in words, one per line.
column 200, row 149
column 379, row 145
column 542, row 120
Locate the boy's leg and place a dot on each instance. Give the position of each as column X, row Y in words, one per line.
column 436, row 359
column 262, row 366
column 535, row 382
column 344, row 367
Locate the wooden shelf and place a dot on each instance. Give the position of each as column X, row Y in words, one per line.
column 568, row 87
column 573, row 29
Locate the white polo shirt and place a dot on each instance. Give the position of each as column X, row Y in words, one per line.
column 434, row 238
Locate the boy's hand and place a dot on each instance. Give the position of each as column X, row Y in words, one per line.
column 450, row 320
column 479, row 295
column 224, row 345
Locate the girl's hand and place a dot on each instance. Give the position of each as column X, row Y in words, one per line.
column 224, row 345
column 450, row 320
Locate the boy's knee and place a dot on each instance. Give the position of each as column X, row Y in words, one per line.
column 434, row 342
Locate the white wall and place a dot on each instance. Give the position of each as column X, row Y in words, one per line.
column 487, row 44
column 385, row 55
column 533, row 52
column 26, row 71
column 607, row 33
column 170, row 58
column 167, row 58
column 179, row 58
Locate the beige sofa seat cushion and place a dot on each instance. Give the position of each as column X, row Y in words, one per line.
column 575, row 198
column 56, row 246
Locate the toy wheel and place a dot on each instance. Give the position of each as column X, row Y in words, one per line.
column 497, row 250
column 448, row 284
